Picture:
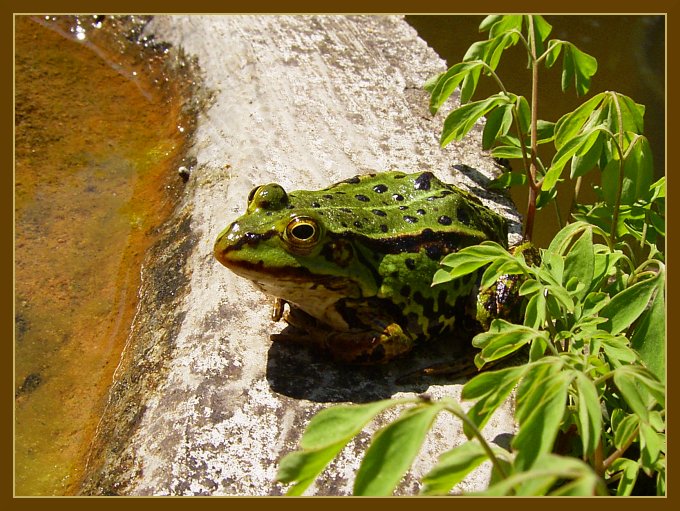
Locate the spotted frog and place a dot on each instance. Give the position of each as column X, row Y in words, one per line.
column 355, row 261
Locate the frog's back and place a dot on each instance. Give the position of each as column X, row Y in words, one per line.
column 394, row 212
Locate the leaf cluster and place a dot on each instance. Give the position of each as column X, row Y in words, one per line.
column 605, row 132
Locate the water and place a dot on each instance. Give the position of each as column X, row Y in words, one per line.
column 100, row 131
column 630, row 51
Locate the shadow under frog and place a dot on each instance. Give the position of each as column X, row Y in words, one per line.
column 303, row 373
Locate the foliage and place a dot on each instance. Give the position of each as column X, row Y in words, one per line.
column 590, row 402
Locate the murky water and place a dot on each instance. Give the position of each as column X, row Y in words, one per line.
column 100, row 130
column 630, row 51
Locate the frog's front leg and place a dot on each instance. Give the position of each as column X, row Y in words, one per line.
column 378, row 342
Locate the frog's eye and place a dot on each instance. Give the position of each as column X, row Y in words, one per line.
column 252, row 194
column 301, row 234
column 269, row 197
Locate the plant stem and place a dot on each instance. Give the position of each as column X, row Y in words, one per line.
column 533, row 189
column 487, row 449
column 620, row 451
column 615, row 216
column 597, row 459
column 574, row 200
column 558, row 215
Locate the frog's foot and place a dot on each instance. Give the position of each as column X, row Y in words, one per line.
column 353, row 346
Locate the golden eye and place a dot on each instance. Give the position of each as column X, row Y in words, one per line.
column 302, row 233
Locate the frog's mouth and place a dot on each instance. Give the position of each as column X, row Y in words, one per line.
column 280, row 281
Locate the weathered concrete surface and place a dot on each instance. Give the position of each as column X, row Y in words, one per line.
column 203, row 403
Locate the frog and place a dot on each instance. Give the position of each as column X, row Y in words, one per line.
column 354, row 262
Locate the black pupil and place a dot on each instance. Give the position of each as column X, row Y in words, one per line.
column 303, row 231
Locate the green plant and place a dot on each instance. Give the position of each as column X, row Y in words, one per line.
column 590, row 402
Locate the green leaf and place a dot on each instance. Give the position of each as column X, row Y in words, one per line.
column 585, row 486
column 441, row 277
column 563, row 239
column 529, row 286
column 625, row 429
column 552, row 268
column 538, row 349
column 605, row 266
column 449, row 81
column 507, row 151
column 538, row 431
column 617, row 350
column 627, row 306
column 496, row 345
column 469, row 85
column 569, row 125
column 342, row 422
column 580, row 144
column 629, row 471
column 656, row 420
column 461, row 120
column 658, row 189
column 638, row 173
column 545, row 131
column 489, row 22
column 589, row 413
column 535, row 314
column 580, row 262
column 546, row 197
column 303, row 467
column 561, row 295
column 529, row 393
column 326, row 435
column 553, row 52
column 505, row 24
column 508, row 179
column 546, row 471
column 487, row 384
column 498, row 123
column 593, row 302
column 392, row 451
column 649, row 383
column 431, row 82
column 658, row 223
column 542, row 30
column 626, row 381
column 502, row 266
column 649, row 337
column 452, row 468
column 577, row 66
column 661, row 482
column 490, row 389
column 651, row 444
column 523, row 113
column 587, row 157
column 632, row 114
column 481, row 254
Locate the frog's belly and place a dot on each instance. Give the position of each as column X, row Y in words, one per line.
column 316, row 299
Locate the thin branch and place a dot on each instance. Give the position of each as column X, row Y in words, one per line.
column 615, row 217
column 621, row 450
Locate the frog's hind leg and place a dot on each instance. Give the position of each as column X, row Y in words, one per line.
column 356, row 346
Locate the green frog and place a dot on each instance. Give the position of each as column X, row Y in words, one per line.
column 355, row 261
